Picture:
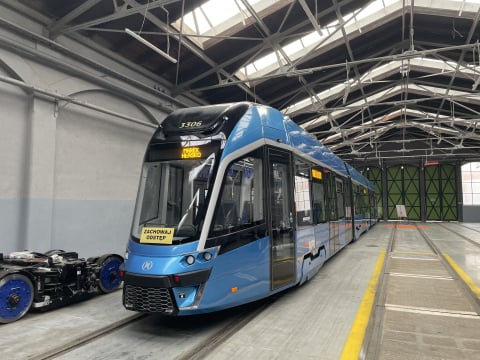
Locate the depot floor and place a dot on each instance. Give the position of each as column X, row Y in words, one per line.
column 418, row 312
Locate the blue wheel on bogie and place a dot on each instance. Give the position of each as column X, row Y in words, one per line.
column 110, row 278
column 16, row 296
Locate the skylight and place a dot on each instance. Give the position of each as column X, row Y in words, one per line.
column 302, row 46
column 384, row 94
column 355, row 21
column 352, row 22
column 207, row 17
column 215, row 17
column 433, row 66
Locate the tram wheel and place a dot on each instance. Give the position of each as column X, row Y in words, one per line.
column 16, row 297
column 109, row 277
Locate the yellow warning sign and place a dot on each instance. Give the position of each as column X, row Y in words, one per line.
column 157, row 235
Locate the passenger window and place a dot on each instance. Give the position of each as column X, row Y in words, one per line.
column 241, row 201
column 302, row 194
column 365, row 203
column 340, row 198
column 318, row 203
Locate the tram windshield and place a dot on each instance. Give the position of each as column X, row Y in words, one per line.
column 174, row 184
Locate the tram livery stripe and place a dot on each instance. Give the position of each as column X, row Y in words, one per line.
column 474, row 288
column 354, row 342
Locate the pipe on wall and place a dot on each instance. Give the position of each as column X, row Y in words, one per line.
column 72, row 100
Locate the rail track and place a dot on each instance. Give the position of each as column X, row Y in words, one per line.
column 460, row 234
column 65, row 348
column 224, row 325
column 418, row 286
column 415, row 260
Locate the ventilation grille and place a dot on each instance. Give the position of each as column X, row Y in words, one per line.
column 148, row 299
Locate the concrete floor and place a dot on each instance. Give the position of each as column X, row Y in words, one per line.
column 425, row 313
column 309, row 322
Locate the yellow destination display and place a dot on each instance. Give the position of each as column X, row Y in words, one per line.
column 191, row 153
column 157, row 235
column 316, row 174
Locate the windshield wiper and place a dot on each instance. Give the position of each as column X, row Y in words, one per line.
column 195, row 200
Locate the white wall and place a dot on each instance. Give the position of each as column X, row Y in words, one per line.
column 13, row 170
column 68, row 170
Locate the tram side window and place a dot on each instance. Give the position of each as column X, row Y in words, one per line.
column 340, row 199
column 365, row 203
column 362, row 201
column 241, row 202
column 319, row 212
column 348, row 201
column 152, row 187
column 373, row 202
column 302, row 194
column 358, row 201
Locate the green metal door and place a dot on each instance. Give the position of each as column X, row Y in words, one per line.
column 403, row 188
column 441, row 192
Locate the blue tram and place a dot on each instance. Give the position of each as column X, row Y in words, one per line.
column 236, row 202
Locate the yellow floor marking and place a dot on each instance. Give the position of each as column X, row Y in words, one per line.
column 353, row 345
column 463, row 275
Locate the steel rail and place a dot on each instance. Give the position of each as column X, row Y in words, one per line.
column 79, row 342
column 471, row 296
column 372, row 341
column 473, row 242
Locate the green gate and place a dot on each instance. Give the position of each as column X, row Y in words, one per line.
column 403, row 187
column 441, row 192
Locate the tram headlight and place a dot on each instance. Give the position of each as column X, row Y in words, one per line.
column 207, row 256
column 190, row 259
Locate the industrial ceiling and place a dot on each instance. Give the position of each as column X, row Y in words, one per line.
column 375, row 81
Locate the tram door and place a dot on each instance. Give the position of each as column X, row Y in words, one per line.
column 332, row 206
column 281, row 227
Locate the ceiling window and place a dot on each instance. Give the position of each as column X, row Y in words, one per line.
column 216, row 17
column 371, row 13
column 298, row 48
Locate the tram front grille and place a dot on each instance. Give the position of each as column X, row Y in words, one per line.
column 147, row 299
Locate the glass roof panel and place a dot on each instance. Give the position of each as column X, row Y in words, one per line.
column 372, row 12
column 217, row 16
column 313, row 39
column 429, row 65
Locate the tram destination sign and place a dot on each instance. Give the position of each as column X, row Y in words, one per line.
column 175, row 151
